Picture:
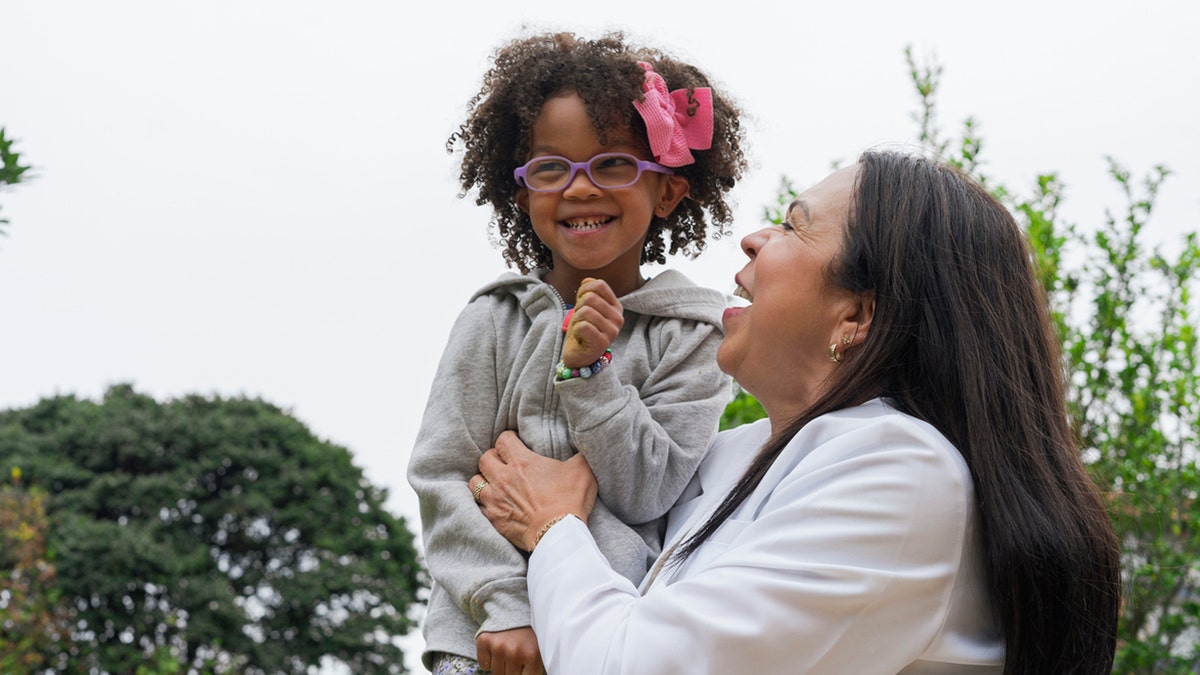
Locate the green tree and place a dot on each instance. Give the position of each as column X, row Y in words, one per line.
column 1130, row 335
column 213, row 534
column 1128, row 320
column 11, row 169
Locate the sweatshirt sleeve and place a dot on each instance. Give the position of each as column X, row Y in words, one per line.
column 645, row 443
column 479, row 569
column 823, row 580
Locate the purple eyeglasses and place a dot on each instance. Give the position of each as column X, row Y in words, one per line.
column 608, row 170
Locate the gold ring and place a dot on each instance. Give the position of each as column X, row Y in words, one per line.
column 478, row 489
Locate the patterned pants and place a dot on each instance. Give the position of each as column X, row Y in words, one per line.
column 453, row 664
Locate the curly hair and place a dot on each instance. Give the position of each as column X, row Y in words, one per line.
column 603, row 72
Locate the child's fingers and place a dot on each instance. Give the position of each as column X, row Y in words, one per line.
column 587, row 339
column 590, row 339
column 509, row 652
column 597, row 292
column 483, row 652
column 603, row 320
column 598, row 288
column 595, row 306
column 595, row 324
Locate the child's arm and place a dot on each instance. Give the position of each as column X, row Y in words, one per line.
column 512, row 651
column 645, row 444
column 479, row 570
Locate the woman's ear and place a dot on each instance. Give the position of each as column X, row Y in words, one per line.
column 522, row 199
column 671, row 190
column 856, row 323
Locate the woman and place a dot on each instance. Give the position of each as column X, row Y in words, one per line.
column 913, row 502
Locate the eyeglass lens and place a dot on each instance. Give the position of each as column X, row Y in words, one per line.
column 607, row 171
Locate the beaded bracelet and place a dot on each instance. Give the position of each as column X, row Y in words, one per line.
column 546, row 528
column 563, row 373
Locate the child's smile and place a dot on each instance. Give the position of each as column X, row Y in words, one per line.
column 586, row 224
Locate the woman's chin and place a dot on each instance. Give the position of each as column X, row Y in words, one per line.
column 726, row 360
column 722, row 368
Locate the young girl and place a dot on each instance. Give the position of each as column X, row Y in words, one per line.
column 596, row 157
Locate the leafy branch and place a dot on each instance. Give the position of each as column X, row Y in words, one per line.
column 11, row 169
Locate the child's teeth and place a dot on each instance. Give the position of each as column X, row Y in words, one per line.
column 584, row 224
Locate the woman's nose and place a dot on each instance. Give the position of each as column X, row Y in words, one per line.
column 752, row 242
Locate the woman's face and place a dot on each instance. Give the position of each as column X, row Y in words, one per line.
column 777, row 348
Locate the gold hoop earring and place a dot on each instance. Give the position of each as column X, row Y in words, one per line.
column 834, row 354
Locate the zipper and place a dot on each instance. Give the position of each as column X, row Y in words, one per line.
column 551, row 411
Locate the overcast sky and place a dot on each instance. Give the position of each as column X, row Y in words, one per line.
column 255, row 197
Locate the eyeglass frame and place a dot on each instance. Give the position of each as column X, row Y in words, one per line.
column 643, row 166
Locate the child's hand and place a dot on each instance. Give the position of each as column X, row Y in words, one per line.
column 594, row 325
column 509, row 652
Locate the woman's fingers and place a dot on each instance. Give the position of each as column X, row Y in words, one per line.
column 507, row 444
column 519, row 490
column 478, row 484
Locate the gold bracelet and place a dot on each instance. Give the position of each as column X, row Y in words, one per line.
column 546, row 528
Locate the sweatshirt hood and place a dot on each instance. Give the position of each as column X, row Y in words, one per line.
column 669, row 294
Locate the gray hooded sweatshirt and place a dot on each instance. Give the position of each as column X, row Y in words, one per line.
column 644, row 423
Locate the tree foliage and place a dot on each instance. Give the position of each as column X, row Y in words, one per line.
column 34, row 619
column 1130, row 336
column 11, row 169
column 214, row 535
column 1127, row 316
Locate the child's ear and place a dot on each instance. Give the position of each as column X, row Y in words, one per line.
column 671, row 190
column 523, row 199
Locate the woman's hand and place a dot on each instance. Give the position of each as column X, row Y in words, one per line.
column 525, row 491
column 594, row 325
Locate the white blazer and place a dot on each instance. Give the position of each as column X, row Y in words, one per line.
column 856, row 554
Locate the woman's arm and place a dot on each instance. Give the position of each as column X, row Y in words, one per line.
column 844, row 565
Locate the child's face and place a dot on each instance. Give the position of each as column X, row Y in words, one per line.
column 590, row 231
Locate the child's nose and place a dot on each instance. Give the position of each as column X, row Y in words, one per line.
column 580, row 186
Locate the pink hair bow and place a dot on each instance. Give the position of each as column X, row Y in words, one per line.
column 676, row 122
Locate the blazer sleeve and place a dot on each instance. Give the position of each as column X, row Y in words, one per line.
column 479, row 569
column 644, row 444
column 846, row 567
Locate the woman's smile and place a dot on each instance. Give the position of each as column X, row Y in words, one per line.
column 737, row 307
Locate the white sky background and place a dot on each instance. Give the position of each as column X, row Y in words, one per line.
column 254, row 197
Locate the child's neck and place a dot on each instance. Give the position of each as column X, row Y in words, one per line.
column 567, row 282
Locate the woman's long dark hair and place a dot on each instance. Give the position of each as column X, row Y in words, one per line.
column 961, row 338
